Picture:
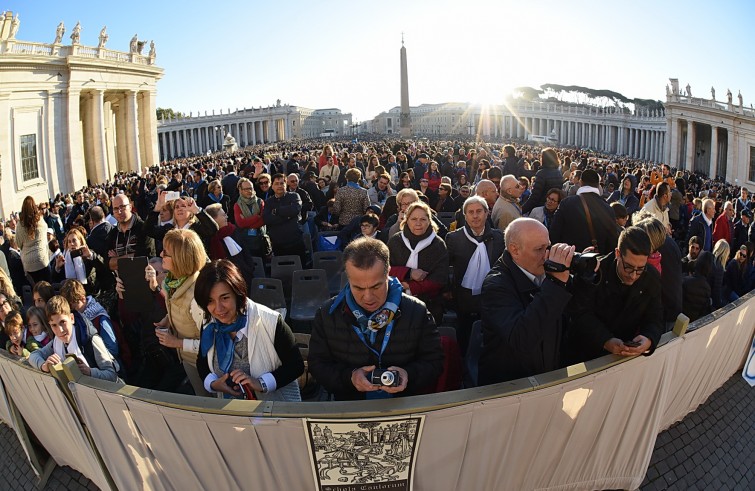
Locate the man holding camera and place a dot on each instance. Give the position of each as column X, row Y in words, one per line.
column 522, row 305
column 372, row 341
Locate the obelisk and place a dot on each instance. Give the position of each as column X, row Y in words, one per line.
column 406, row 118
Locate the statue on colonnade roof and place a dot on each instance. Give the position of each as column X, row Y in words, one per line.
column 103, row 37
column 76, row 34
column 59, row 33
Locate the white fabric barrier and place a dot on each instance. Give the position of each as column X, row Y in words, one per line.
column 593, row 432
column 48, row 413
column 5, row 415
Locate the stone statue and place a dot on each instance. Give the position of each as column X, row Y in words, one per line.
column 140, row 46
column 713, row 93
column 728, row 95
column 59, row 33
column 668, row 91
column 152, row 52
column 103, row 37
column 132, row 45
column 739, row 96
column 14, row 27
column 76, row 33
column 689, row 91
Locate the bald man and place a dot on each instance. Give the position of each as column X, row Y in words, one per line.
column 522, row 306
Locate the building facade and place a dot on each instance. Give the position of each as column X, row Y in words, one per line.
column 71, row 114
column 195, row 135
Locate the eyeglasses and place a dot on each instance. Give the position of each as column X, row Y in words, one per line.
column 631, row 270
column 122, row 208
column 551, row 200
column 264, row 183
column 164, row 254
column 246, row 189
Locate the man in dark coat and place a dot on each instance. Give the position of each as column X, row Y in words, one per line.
column 619, row 311
column 570, row 222
column 462, row 245
column 742, row 228
column 523, row 306
column 281, row 214
column 548, row 177
column 343, row 352
column 230, row 183
column 701, row 226
column 100, row 229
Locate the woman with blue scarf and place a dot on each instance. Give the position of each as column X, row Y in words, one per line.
column 215, row 195
column 247, row 351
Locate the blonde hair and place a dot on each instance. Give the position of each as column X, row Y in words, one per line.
column 187, row 251
column 655, row 230
column 721, row 252
column 424, row 207
column 6, row 285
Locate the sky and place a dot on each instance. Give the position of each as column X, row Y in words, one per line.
column 345, row 54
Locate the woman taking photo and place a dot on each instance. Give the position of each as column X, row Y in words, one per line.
column 31, row 239
column 244, row 345
column 186, row 215
column 419, row 258
column 183, row 257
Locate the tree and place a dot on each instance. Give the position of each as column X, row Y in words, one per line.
column 169, row 113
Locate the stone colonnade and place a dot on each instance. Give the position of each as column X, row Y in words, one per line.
column 118, row 130
column 195, row 136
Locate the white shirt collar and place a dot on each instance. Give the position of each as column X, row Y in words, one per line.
column 537, row 280
column 588, row 189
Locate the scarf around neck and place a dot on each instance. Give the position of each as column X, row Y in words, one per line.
column 421, row 242
column 478, row 266
column 74, row 268
column 218, row 334
column 370, row 324
column 172, row 284
column 249, row 206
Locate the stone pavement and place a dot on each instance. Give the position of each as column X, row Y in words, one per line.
column 712, row 448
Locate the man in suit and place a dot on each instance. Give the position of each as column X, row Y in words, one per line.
column 230, row 182
column 100, row 228
column 572, row 226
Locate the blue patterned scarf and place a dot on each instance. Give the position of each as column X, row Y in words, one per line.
column 372, row 323
column 217, row 333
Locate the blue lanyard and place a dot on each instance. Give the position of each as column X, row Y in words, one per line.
column 385, row 342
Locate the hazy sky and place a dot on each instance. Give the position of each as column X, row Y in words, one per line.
column 345, row 54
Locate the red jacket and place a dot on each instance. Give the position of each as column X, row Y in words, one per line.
column 323, row 160
column 723, row 228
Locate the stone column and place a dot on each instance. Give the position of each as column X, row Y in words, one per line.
column 75, row 158
column 132, row 129
column 53, row 163
column 101, row 168
column 731, row 157
column 690, row 145
column 713, row 152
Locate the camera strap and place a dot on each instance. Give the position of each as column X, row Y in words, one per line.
column 386, row 338
column 593, row 240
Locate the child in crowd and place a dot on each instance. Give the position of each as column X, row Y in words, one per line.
column 41, row 293
column 73, row 291
column 74, row 336
column 39, row 333
column 14, row 329
column 620, row 213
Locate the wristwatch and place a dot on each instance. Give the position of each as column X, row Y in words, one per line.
column 262, row 384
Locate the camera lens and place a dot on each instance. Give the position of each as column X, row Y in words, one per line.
column 387, row 378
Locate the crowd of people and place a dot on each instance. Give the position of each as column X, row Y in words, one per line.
column 562, row 254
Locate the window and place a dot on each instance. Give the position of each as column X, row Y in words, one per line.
column 29, row 167
column 752, row 164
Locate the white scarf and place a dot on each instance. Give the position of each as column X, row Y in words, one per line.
column 233, row 246
column 414, row 253
column 73, row 347
column 75, row 269
column 478, row 266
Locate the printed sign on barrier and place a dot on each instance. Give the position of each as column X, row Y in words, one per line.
column 365, row 454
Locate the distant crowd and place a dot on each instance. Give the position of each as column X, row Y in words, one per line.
column 529, row 258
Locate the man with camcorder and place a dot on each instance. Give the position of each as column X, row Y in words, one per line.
column 372, row 341
column 524, row 298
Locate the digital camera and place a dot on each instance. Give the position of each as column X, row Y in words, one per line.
column 386, row 378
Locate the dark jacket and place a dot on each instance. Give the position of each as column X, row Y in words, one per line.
column 229, row 183
column 134, row 241
column 698, row 228
column 740, row 234
column 697, row 297
column 513, row 166
column 545, row 179
column 570, row 223
column 607, row 309
column 281, row 217
column 522, row 324
column 335, row 350
column 671, row 279
column 97, row 238
column 460, row 251
column 204, row 226
column 631, row 203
